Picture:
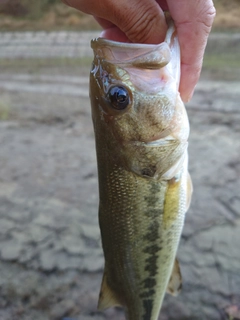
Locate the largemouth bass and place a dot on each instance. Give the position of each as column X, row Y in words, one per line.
column 141, row 130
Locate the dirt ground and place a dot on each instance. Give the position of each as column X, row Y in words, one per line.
column 50, row 252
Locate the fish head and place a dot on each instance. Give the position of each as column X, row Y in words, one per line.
column 136, row 106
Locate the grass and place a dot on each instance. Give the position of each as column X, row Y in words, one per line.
column 4, row 110
column 36, row 63
column 223, row 66
column 222, row 60
column 41, row 16
column 211, row 60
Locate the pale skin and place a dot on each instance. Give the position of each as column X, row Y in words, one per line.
column 142, row 21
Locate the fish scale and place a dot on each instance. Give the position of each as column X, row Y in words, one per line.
column 147, row 233
column 141, row 133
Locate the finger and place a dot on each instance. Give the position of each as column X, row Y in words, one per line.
column 111, row 32
column 163, row 4
column 114, row 34
column 193, row 20
column 105, row 24
column 140, row 20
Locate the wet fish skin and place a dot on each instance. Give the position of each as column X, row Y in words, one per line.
column 144, row 185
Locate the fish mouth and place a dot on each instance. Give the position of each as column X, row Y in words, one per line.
column 140, row 55
column 158, row 142
column 125, row 45
column 149, row 56
column 161, row 141
column 98, row 42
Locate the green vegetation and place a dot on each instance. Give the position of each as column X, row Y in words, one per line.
column 35, row 64
column 16, row 15
column 225, row 67
column 221, row 61
column 26, row 8
column 4, row 110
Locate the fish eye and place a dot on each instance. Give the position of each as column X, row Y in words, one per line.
column 119, row 97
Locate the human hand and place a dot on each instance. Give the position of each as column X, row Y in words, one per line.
column 143, row 21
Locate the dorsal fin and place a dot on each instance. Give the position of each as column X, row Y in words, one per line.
column 175, row 282
column 107, row 297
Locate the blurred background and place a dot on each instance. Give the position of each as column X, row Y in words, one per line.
column 51, row 260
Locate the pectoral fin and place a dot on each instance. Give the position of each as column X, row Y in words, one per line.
column 107, row 298
column 175, row 282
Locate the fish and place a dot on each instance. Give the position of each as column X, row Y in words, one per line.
column 141, row 134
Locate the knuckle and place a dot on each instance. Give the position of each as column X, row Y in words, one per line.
column 206, row 16
column 140, row 28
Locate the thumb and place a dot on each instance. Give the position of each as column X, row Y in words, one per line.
column 140, row 21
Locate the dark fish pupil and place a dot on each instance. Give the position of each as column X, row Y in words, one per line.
column 118, row 97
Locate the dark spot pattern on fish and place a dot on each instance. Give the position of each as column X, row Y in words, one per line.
column 151, row 267
column 151, row 262
column 153, row 213
column 148, row 306
column 153, row 232
column 149, row 283
column 152, row 249
column 151, row 199
column 147, row 294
